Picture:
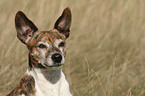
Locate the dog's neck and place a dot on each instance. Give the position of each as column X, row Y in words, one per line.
column 51, row 76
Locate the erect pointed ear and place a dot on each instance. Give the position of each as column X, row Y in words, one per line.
column 25, row 28
column 63, row 23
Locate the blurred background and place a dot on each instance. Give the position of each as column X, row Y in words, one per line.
column 105, row 50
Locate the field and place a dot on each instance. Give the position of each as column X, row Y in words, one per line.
column 105, row 51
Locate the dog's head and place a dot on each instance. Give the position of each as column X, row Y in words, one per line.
column 46, row 48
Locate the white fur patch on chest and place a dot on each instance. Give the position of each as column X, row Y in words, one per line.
column 45, row 88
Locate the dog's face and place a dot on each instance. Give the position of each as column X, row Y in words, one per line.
column 46, row 48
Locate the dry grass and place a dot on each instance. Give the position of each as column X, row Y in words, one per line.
column 105, row 52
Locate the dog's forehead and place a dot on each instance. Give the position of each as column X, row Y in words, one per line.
column 46, row 36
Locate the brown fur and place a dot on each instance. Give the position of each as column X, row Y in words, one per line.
column 26, row 86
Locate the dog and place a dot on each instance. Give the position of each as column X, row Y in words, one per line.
column 44, row 76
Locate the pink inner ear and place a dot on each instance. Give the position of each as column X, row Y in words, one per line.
column 26, row 33
column 62, row 24
column 25, row 28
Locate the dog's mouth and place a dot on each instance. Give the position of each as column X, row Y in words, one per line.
column 55, row 65
column 52, row 66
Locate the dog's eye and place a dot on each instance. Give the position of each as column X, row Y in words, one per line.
column 41, row 46
column 61, row 44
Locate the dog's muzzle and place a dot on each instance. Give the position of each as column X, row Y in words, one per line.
column 57, row 61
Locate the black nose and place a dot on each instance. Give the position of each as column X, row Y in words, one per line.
column 56, row 57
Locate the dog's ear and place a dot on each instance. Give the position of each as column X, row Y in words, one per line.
column 25, row 28
column 63, row 23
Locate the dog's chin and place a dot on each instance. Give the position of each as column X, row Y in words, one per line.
column 53, row 66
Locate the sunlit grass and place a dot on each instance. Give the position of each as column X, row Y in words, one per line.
column 105, row 51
